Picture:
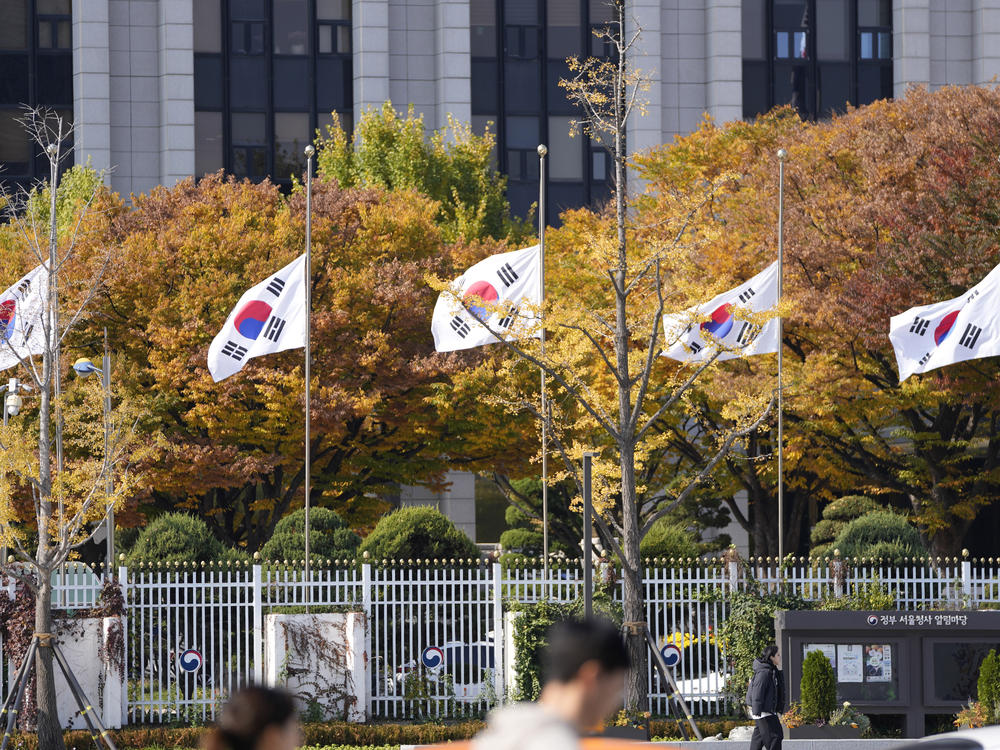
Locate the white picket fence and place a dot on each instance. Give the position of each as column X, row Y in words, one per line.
column 217, row 611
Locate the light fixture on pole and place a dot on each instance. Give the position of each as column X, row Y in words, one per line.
column 85, row 368
column 310, row 151
column 542, row 152
column 782, row 155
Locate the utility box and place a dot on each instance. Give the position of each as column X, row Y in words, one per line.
column 893, row 662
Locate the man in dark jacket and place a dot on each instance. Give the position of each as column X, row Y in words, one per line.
column 766, row 699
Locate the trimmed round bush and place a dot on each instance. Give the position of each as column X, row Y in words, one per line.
column 522, row 542
column 818, row 688
column 849, row 507
column 668, row 539
column 881, row 530
column 419, row 532
column 176, row 537
column 329, row 537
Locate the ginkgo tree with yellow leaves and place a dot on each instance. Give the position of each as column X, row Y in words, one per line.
column 61, row 475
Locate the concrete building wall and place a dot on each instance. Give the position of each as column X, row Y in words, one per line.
column 457, row 501
column 92, row 82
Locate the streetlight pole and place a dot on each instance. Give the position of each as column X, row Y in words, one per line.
column 109, row 479
column 310, row 151
column 782, row 154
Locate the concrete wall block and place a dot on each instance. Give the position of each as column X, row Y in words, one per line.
column 118, row 38
column 177, row 62
column 177, row 112
column 454, row 15
column 689, row 118
column 303, row 650
column 454, row 90
column 420, row 18
column 95, row 11
column 80, row 645
column 118, row 12
column 454, row 40
column 92, row 112
column 958, row 19
column 988, row 21
column 453, row 66
column 146, row 139
column 723, row 15
column 422, row 42
column 143, row 63
column 370, row 40
column 92, row 86
column 691, row 21
column 91, row 60
column 144, row 38
column 177, row 11
column 691, row 72
column 145, row 89
column 177, row 86
column 177, row 36
column 177, row 165
column 958, row 48
column 178, row 137
column 90, row 34
column 142, row 13
column 691, row 95
column 371, row 14
column 691, row 46
column 720, row 68
column 421, row 68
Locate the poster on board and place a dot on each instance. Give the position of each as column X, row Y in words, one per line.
column 850, row 663
column 827, row 649
column 878, row 663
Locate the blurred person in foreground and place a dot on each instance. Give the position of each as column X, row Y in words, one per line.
column 256, row 718
column 583, row 680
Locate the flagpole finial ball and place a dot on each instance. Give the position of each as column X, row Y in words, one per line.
column 542, row 149
column 51, row 149
column 310, row 151
column 782, row 154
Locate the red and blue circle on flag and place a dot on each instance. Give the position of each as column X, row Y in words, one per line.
column 251, row 318
column 484, row 291
column 721, row 322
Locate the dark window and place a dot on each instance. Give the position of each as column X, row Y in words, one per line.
column 291, row 27
column 291, row 84
column 522, row 93
column 14, row 79
column 820, row 54
column 207, row 26
column 208, row 87
column 956, row 670
column 484, row 86
column 15, row 148
column 55, row 80
column 14, row 29
column 247, row 38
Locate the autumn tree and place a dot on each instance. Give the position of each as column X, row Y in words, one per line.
column 57, row 482
column 234, row 454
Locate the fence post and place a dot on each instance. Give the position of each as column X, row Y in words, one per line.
column 258, row 624
column 366, row 607
column 966, row 580
column 498, row 633
column 123, row 582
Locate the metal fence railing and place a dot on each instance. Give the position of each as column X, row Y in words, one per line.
column 435, row 630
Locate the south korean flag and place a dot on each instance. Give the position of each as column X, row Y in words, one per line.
column 502, row 291
column 22, row 313
column 269, row 318
column 943, row 333
column 696, row 334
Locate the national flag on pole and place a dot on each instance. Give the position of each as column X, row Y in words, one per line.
column 697, row 333
column 508, row 283
column 269, row 318
column 22, row 311
column 943, row 333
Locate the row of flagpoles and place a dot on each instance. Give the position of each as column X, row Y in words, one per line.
column 504, row 294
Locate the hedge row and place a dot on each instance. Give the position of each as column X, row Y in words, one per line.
column 333, row 733
column 368, row 736
column 708, row 728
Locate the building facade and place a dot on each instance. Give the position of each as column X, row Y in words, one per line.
column 164, row 89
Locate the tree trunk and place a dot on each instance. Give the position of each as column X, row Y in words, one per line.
column 49, row 730
column 636, row 697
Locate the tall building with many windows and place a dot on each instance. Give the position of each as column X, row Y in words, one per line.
column 163, row 89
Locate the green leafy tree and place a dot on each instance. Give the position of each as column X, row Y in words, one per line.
column 880, row 533
column 329, row 537
column 818, row 688
column 453, row 166
column 420, row 532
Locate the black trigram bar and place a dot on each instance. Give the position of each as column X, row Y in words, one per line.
column 275, row 286
column 234, row 350
column 695, row 347
column 460, row 326
column 27, row 332
column 23, row 287
column 508, row 319
column 274, row 327
column 748, row 332
column 747, row 294
column 507, row 274
column 923, row 359
column 919, row 326
column 970, row 336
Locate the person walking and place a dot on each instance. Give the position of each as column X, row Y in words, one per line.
column 256, row 718
column 583, row 680
column 766, row 699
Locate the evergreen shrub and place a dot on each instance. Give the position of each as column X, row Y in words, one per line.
column 818, row 688
column 988, row 686
column 417, row 533
column 176, row 537
column 329, row 537
column 880, row 530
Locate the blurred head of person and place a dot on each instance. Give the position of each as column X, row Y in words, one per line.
column 583, row 671
column 256, row 718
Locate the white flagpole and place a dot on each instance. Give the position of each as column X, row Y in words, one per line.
column 542, row 151
column 309, row 151
column 782, row 154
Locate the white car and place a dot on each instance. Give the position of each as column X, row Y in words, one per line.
column 987, row 738
column 463, row 662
